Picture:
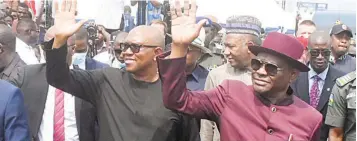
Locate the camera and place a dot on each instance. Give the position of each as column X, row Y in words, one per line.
column 92, row 30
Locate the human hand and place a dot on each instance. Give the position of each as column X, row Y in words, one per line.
column 183, row 28
column 65, row 24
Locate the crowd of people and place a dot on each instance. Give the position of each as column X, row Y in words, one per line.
column 189, row 79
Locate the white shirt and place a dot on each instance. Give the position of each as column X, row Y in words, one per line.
column 46, row 128
column 82, row 65
column 103, row 57
column 322, row 76
column 26, row 52
column 109, row 59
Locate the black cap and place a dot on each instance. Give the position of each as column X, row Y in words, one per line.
column 336, row 29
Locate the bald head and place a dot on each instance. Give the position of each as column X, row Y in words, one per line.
column 121, row 37
column 319, row 37
column 7, row 38
column 146, row 35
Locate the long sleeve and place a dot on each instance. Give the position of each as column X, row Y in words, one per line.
column 200, row 104
column 15, row 122
column 316, row 133
column 19, row 78
column 80, row 83
column 208, row 128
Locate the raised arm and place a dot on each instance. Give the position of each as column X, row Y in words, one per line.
column 204, row 104
column 80, row 83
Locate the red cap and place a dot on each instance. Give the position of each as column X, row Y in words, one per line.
column 303, row 41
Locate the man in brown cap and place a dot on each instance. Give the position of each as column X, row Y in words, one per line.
column 267, row 110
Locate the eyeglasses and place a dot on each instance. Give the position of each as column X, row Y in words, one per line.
column 135, row 48
column 317, row 52
column 270, row 68
column 117, row 51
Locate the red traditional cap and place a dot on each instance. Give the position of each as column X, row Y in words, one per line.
column 283, row 46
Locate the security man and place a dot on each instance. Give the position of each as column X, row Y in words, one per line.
column 340, row 36
column 341, row 113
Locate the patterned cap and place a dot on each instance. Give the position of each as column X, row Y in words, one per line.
column 243, row 25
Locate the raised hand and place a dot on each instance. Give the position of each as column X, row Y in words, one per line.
column 183, row 27
column 65, row 24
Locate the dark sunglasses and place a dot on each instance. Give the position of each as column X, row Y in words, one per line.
column 117, row 51
column 270, row 68
column 135, row 48
column 317, row 52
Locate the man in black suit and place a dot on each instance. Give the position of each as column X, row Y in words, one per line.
column 314, row 87
column 79, row 115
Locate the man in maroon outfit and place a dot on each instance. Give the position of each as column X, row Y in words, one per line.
column 265, row 111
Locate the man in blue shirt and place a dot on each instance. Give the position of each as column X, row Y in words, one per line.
column 196, row 74
column 13, row 118
column 340, row 36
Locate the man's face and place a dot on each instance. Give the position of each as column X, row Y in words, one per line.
column 305, row 31
column 341, row 43
column 29, row 34
column 141, row 60
column 81, row 46
column 319, row 53
column 117, row 50
column 265, row 83
column 3, row 7
column 100, row 34
column 8, row 20
column 14, row 14
column 23, row 13
column 236, row 50
column 193, row 54
column 211, row 32
column 216, row 40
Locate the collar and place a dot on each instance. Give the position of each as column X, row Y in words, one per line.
column 11, row 66
column 20, row 43
column 197, row 72
column 334, row 60
column 285, row 102
column 322, row 75
column 233, row 70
